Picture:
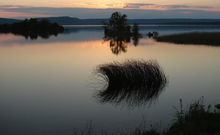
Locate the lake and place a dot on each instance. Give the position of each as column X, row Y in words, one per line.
column 49, row 86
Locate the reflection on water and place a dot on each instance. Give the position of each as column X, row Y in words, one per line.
column 133, row 82
column 34, row 36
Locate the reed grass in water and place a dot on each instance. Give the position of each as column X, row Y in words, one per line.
column 132, row 82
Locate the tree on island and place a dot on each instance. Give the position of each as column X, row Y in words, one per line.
column 32, row 28
column 117, row 24
column 135, row 34
column 118, row 32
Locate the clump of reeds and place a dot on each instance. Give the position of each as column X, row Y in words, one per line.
column 203, row 38
column 132, row 82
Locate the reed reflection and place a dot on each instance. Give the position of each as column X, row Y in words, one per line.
column 133, row 83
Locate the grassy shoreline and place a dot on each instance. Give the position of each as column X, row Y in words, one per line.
column 197, row 38
column 197, row 119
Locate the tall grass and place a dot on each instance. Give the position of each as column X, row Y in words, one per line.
column 198, row 119
column 132, row 82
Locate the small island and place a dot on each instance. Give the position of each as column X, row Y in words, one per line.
column 32, row 28
column 119, row 33
column 197, row 38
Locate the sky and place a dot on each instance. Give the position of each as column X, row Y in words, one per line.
column 135, row 9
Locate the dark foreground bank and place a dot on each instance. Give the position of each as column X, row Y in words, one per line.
column 199, row 38
column 197, row 119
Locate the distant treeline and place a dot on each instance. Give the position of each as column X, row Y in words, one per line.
column 32, row 28
column 65, row 20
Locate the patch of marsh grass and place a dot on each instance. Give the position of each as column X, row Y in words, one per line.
column 132, row 82
column 200, row 38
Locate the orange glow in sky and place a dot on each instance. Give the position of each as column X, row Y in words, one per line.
column 106, row 3
column 19, row 14
column 8, row 8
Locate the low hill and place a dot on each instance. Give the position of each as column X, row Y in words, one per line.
column 65, row 20
column 8, row 21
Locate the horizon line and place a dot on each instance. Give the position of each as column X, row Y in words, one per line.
column 108, row 18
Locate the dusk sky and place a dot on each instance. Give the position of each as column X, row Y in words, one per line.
column 103, row 8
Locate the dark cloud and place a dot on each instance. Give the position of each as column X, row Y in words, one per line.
column 186, row 6
column 11, row 6
column 149, row 5
column 137, row 5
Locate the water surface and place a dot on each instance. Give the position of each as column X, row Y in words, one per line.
column 49, row 86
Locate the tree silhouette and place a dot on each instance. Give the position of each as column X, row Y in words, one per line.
column 32, row 28
column 118, row 21
column 135, row 34
column 117, row 25
column 118, row 32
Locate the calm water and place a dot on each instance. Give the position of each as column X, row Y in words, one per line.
column 49, row 86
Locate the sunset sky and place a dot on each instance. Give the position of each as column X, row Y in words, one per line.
column 103, row 8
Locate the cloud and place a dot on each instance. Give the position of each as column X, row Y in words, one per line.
column 137, row 5
column 16, row 11
column 149, row 6
column 11, row 14
column 12, row 6
column 133, row 10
